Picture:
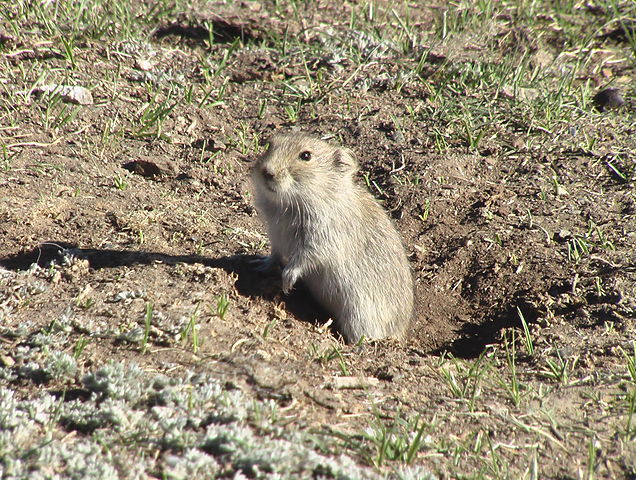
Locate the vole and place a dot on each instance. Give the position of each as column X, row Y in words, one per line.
column 330, row 232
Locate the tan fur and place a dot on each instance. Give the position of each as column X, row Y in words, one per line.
column 330, row 232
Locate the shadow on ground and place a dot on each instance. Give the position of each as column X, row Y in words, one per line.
column 471, row 340
column 249, row 283
column 475, row 337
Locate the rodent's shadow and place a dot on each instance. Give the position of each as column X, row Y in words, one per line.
column 249, row 283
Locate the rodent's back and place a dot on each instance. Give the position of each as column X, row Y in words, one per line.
column 353, row 259
column 371, row 271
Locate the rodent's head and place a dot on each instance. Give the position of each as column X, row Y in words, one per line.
column 297, row 163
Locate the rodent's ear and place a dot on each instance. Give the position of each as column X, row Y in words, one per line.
column 344, row 160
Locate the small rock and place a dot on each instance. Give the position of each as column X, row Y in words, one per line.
column 608, row 99
column 324, row 399
column 563, row 235
column 7, row 361
column 266, row 377
column 355, row 382
column 520, row 93
column 144, row 64
column 68, row 93
column 542, row 58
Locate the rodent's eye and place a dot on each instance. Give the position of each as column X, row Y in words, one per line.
column 306, row 156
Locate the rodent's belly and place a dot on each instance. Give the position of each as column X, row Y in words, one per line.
column 282, row 243
column 329, row 289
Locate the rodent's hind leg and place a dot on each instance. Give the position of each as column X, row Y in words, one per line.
column 296, row 268
column 291, row 274
column 266, row 264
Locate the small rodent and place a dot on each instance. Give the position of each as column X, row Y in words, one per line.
column 329, row 232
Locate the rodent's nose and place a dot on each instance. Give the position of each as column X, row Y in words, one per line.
column 267, row 174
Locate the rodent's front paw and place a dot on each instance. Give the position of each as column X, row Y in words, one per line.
column 290, row 277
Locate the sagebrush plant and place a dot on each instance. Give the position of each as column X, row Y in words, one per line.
column 198, row 423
